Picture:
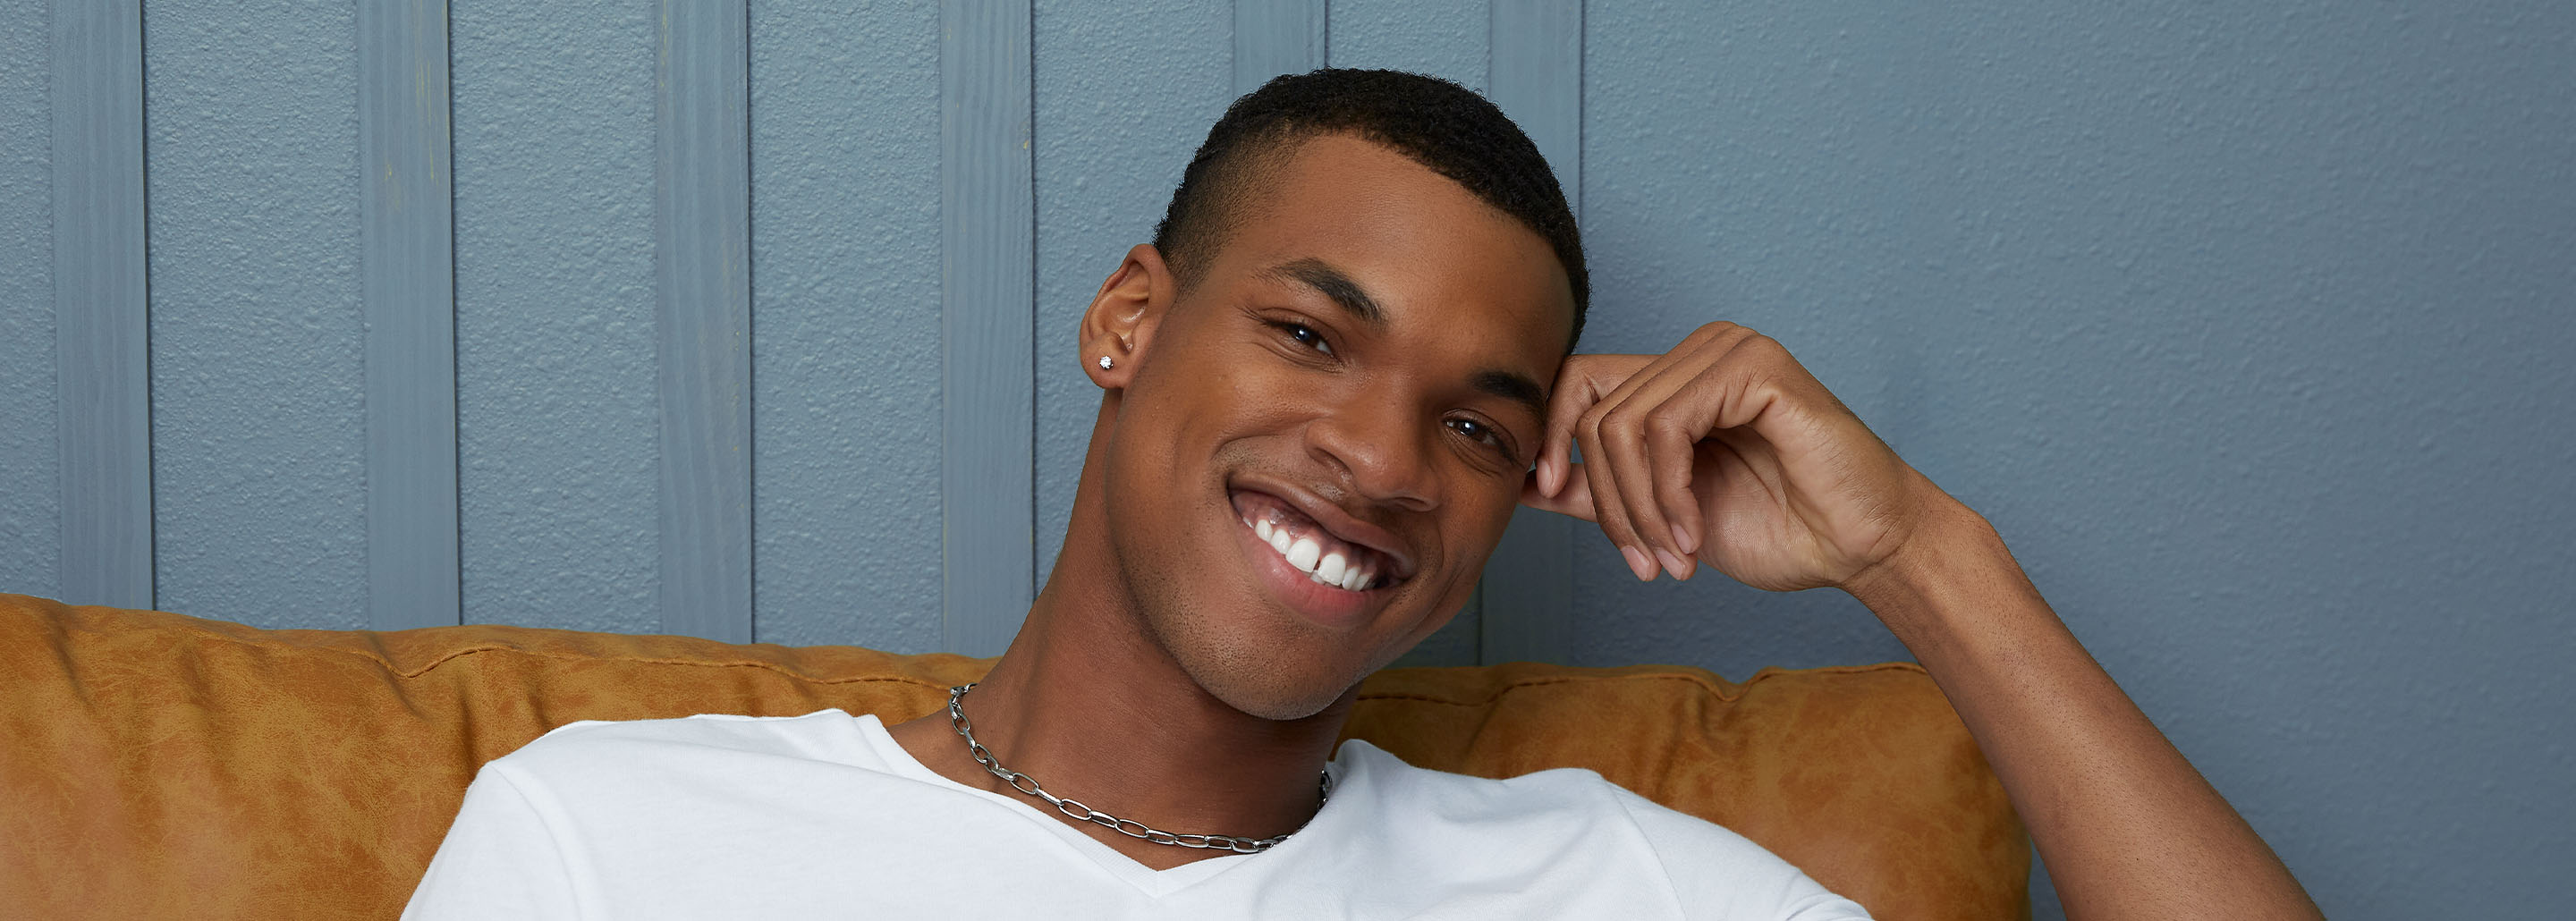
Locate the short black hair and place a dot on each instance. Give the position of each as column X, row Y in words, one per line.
column 1439, row 124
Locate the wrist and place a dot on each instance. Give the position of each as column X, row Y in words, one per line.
column 1952, row 567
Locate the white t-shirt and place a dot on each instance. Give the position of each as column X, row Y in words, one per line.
column 823, row 815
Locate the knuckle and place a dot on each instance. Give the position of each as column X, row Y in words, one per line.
column 1622, row 422
column 1590, row 422
column 1669, row 421
column 1715, row 329
column 1635, row 407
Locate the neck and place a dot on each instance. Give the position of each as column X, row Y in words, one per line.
column 1090, row 706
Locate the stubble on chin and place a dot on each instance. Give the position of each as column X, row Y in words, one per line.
column 1252, row 674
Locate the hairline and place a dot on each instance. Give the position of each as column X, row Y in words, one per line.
column 1269, row 152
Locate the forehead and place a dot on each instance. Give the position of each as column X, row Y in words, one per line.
column 1433, row 255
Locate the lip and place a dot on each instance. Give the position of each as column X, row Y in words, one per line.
column 1328, row 606
column 1336, row 522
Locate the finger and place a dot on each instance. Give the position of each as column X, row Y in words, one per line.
column 1672, row 412
column 1607, row 510
column 1692, row 402
column 1672, row 451
column 1583, row 381
column 1621, row 461
column 1652, row 420
column 1624, row 501
column 1573, row 395
column 1635, row 434
column 1576, row 500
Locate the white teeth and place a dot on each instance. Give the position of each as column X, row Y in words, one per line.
column 1307, row 554
column 1304, row 552
column 1329, row 569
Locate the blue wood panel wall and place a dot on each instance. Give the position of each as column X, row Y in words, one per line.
column 987, row 279
column 845, row 294
column 99, row 334
column 558, row 409
column 258, row 327
column 702, row 250
column 1273, row 37
column 408, row 279
column 31, row 487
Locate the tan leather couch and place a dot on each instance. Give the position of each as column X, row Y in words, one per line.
column 155, row 765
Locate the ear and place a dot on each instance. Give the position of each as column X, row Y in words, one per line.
column 1122, row 317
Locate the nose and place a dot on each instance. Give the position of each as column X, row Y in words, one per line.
column 1383, row 449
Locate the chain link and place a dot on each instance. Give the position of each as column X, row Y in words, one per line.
column 1075, row 809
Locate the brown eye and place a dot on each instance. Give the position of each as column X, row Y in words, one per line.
column 1305, row 335
column 1481, row 433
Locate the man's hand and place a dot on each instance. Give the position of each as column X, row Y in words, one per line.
column 1725, row 450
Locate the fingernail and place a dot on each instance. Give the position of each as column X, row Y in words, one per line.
column 1674, row 564
column 1638, row 563
column 1684, row 539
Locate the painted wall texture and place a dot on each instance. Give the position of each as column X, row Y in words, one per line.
column 2248, row 327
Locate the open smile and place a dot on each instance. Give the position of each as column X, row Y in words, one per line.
column 1309, row 546
column 1325, row 575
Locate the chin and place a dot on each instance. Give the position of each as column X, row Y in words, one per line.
column 1269, row 681
column 1282, row 702
column 1283, row 677
column 1272, row 674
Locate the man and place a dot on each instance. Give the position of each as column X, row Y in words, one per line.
column 1326, row 385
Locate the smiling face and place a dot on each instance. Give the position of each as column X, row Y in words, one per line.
column 1316, row 445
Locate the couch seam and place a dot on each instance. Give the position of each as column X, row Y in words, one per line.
column 640, row 660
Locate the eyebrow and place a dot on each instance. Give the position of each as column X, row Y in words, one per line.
column 1332, row 284
column 1516, row 387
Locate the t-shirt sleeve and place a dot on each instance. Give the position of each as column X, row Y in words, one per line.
column 1718, row 874
column 500, row 860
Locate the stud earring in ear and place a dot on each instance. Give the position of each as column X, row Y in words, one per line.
column 1104, row 362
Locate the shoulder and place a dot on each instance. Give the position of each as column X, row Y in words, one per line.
column 1558, row 794
column 1710, row 870
column 578, row 748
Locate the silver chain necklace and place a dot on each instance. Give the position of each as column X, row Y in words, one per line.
column 1074, row 808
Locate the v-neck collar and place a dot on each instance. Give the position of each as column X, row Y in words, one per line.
column 1152, row 882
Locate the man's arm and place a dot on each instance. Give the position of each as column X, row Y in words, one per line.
column 2128, row 828
column 1726, row 451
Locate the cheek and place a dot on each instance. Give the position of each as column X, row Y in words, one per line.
column 1481, row 513
column 1487, row 502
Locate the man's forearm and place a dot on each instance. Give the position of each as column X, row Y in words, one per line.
column 2127, row 826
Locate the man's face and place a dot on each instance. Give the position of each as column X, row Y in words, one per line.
column 1359, row 374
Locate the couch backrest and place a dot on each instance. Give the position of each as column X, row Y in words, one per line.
column 155, row 765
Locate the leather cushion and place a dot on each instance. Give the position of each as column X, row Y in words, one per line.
column 156, row 765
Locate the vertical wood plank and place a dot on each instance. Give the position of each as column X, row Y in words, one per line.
column 101, row 300
column 1273, row 37
column 988, row 278
column 1536, row 76
column 702, row 269
column 408, row 284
